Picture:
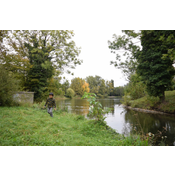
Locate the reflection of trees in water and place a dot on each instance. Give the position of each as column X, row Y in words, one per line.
column 60, row 103
column 80, row 106
column 144, row 122
column 108, row 103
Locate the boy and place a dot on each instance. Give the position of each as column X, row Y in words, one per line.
column 51, row 103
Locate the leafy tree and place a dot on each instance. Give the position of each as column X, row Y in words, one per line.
column 49, row 52
column 65, row 85
column 8, row 87
column 126, row 46
column 12, row 61
column 118, row 91
column 85, row 87
column 54, row 86
column 96, row 109
column 155, row 64
column 70, row 93
column 110, row 87
column 79, row 86
column 102, row 89
column 135, row 88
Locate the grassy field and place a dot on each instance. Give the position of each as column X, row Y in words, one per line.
column 28, row 126
column 152, row 103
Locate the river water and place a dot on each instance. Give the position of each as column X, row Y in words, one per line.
column 125, row 121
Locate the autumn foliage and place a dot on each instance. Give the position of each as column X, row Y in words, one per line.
column 79, row 86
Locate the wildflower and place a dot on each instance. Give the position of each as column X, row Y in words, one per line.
column 153, row 135
column 162, row 137
column 165, row 136
column 149, row 134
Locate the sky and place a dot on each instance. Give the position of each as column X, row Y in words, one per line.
column 96, row 56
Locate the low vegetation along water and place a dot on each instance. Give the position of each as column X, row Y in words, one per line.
column 126, row 121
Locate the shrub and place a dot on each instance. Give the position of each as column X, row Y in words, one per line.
column 8, row 87
column 99, row 95
column 136, row 88
column 70, row 93
column 96, row 110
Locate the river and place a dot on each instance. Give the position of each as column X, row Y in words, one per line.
column 125, row 121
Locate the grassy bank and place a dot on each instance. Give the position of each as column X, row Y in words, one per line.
column 146, row 102
column 33, row 126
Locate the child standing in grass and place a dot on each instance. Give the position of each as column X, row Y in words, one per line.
column 51, row 103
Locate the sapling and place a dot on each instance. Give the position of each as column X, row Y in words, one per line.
column 96, row 110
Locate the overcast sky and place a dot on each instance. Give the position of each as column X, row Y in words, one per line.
column 96, row 56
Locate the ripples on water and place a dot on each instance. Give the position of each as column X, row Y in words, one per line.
column 125, row 121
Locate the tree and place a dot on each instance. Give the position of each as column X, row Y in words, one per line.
column 127, row 46
column 8, row 87
column 13, row 61
column 155, row 66
column 65, row 85
column 102, row 89
column 70, row 93
column 110, row 87
column 49, row 52
column 79, row 86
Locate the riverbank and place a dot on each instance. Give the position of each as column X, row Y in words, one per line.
column 146, row 104
column 24, row 126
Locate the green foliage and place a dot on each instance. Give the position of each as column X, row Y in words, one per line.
column 96, row 109
column 100, row 87
column 70, row 93
column 127, row 46
column 8, row 87
column 49, row 53
column 79, row 86
column 153, row 101
column 155, row 65
column 118, row 91
column 136, row 88
column 65, row 85
column 126, row 99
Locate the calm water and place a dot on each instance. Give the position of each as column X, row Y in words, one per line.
column 125, row 121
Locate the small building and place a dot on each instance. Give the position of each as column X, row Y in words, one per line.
column 24, row 97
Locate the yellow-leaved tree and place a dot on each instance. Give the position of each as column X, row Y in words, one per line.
column 79, row 86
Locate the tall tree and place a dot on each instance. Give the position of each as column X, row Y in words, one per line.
column 79, row 86
column 155, row 66
column 11, row 60
column 126, row 46
column 102, row 89
column 48, row 51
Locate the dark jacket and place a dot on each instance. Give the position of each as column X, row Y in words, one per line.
column 51, row 103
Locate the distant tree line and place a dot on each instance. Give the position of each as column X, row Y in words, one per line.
column 96, row 85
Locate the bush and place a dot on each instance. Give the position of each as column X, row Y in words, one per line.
column 70, row 93
column 99, row 95
column 126, row 100
column 8, row 87
column 96, row 110
column 153, row 101
column 136, row 88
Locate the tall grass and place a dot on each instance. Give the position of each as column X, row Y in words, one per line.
column 27, row 126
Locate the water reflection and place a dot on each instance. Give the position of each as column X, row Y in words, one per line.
column 125, row 121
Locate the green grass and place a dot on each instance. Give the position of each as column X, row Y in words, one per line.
column 32, row 126
column 152, row 103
